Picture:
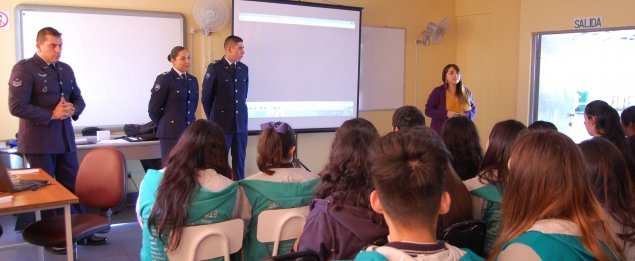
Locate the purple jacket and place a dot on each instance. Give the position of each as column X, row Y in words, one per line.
column 339, row 234
column 435, row 108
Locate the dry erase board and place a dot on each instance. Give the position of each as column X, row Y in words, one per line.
column 382, row 68
column 115, row 54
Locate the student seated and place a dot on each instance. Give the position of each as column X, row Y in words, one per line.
column 606, row 170
column 460, row 136
column 279, row 184
column 549, row 211
column 193, row 189
column 409, row 172
column 409, row 117
column 486, row 188
column 341, row 221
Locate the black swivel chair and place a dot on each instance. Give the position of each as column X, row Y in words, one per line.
column 467, row 234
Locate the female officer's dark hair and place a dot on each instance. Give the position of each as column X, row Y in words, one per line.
column 175, row 52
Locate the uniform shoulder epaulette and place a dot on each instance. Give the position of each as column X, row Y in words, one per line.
column 165, row 73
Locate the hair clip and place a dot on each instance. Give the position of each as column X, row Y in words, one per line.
column 279, row 127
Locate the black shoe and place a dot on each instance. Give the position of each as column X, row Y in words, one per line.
column 93, row 241
column 56, row 250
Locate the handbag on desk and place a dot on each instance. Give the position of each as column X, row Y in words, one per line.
column 140, row 132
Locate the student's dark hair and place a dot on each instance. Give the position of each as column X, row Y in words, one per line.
column 612, row 185
column 41, row 35
column 409, row 172
column 231, row 40
column 274, row 144
column 501, row 140
column 201, row 146
column 345, row 176
column 462, row 140
column 407, row 117
column 175, row 52
column 607, row 124
column 461, row 93
column 542, row 125
column 628, row 116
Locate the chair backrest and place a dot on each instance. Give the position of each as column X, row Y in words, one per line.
column 281, row 224
column 101, row 178
column 209, row 241
column 467, row 234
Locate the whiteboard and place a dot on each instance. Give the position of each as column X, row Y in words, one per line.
column 115, row 54
column 382, row 68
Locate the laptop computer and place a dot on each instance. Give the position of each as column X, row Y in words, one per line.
column 9, row 185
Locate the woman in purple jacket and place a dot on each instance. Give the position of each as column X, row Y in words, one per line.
column 451, row 99
column 341, row 222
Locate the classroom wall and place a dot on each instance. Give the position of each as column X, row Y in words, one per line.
column 487, row 53
column 412, row 15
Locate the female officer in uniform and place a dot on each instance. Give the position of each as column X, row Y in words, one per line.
column 173, row 101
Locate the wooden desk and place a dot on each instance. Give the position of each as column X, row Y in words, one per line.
column 47, row 197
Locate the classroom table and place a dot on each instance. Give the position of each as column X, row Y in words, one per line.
column 47, row 197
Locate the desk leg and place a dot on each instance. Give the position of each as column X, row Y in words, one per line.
column 70, row 251
column 40, row 250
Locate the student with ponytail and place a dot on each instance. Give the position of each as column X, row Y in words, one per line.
column 279, row 184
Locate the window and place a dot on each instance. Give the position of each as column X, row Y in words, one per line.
column 572, row 69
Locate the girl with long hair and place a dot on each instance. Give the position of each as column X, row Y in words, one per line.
column 341, row 221
column 279, row 184
column 602, row 120
column 449, row 100
column 487, row 187
column 194, row 189
column 549, row 210
column 607, row 172
column 462, row 140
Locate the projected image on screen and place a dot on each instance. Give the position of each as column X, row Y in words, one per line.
column 303, row 62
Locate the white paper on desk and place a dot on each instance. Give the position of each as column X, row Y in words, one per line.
column 112, row 141
column 23, row 171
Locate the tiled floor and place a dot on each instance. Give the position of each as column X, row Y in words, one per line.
column 124, row 242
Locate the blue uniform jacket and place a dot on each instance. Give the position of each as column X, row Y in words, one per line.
column 34, row 91
column 172, row 105
column 225, row 95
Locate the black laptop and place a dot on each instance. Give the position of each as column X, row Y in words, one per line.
column 8, row 185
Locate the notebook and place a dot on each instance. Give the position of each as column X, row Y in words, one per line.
column 9, row 185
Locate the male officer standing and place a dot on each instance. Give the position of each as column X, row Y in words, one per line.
column 224, row 99
column 43, row 93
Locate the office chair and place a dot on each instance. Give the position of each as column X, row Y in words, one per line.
column 467, row 234
column 203, row 242
column 281, row 224
column 101, row 183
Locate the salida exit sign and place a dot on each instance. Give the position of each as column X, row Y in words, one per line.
column 587, row 22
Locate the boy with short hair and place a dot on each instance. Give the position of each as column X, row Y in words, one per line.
column 409, row 172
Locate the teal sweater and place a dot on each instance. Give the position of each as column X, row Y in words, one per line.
column 206, row 207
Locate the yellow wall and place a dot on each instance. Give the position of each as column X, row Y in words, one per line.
column 487, row 48
column 313, row 148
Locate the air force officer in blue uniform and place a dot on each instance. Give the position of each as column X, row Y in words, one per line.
column 224, row 99
column 43, row 93
column 173, row 101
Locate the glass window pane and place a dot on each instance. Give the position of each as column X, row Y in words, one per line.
column 577, row 68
